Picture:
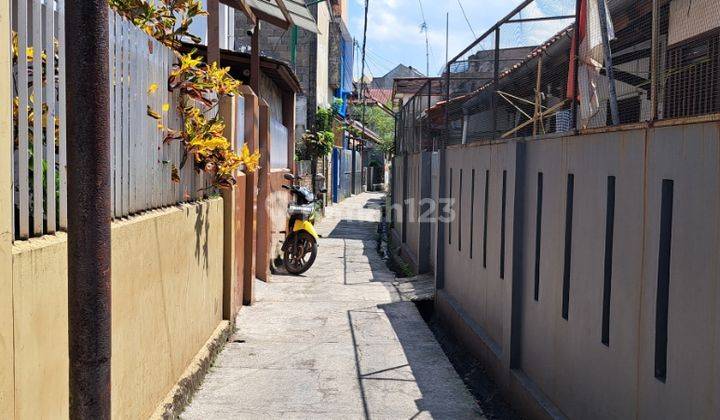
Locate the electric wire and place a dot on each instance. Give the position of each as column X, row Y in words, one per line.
column 466, row 19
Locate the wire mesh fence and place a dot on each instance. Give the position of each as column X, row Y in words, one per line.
column 513, row 80
column 614, row 71
column 563, row 66
column 415, row 132
column 689, row 59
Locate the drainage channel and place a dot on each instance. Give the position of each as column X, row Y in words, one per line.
column 476, row 379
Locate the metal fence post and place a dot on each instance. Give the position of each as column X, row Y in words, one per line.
column 655, row 60
column 440, row 237
column 89, row 194
column 576, row 64
column 614, row 111
column 496, row 80
column 427, row 118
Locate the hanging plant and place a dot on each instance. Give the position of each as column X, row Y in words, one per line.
column 201, row 87
column 168, row 21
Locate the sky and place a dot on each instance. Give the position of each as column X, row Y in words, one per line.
column 395, row 36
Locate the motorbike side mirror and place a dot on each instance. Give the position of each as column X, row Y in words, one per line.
column 289, row 177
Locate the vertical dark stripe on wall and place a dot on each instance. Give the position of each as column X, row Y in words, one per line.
column 538, row 234
column 472, row 212
column 485, row 217
column 663, row 285
column 459, row 223
column 609, row 237
column 502, row 225
column 406, row 195
column 568, row 244
column 450, row 203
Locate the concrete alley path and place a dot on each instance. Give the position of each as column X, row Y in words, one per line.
column 338, row 342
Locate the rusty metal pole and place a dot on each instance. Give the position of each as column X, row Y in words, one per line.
column 88, row 164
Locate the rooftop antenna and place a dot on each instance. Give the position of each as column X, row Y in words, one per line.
column 447, row 38
column 424, row 28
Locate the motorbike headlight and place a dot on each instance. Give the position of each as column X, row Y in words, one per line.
column 302, row 211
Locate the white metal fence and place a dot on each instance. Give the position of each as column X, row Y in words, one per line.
column 36, row 157
column 142, row 164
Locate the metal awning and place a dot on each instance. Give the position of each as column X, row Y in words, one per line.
column 284, row 13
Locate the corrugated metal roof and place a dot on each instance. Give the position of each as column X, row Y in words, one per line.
column 296, row 8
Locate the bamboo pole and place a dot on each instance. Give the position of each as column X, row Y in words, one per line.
column 550, row 112
column 500, row 92
column 538, row 96
column 515, row 106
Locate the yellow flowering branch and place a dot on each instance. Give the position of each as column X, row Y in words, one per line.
column 201, row 86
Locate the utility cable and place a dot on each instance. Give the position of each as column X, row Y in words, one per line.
column 466, row 19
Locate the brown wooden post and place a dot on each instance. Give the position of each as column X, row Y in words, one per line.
column 264, row 224
column 255, row 59
column 288, row 110
column 231, row 288
column 213, row 30
column 252, row 121
column 240, row 240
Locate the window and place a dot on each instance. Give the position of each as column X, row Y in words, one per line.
column 629, row 111
column 279, row 145
column 693, row 81
column 227, row 26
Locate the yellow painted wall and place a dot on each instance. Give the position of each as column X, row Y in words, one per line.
column 6, row 321
column 6, row 315
column 167, row 301
column 41, row 317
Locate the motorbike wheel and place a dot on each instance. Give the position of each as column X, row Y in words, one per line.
column 300, row 253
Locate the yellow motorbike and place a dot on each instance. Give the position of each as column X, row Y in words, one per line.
column 301, row 241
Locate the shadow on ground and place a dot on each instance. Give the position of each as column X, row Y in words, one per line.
column 354, row 230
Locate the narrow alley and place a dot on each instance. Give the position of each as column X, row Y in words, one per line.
column 338, row 342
